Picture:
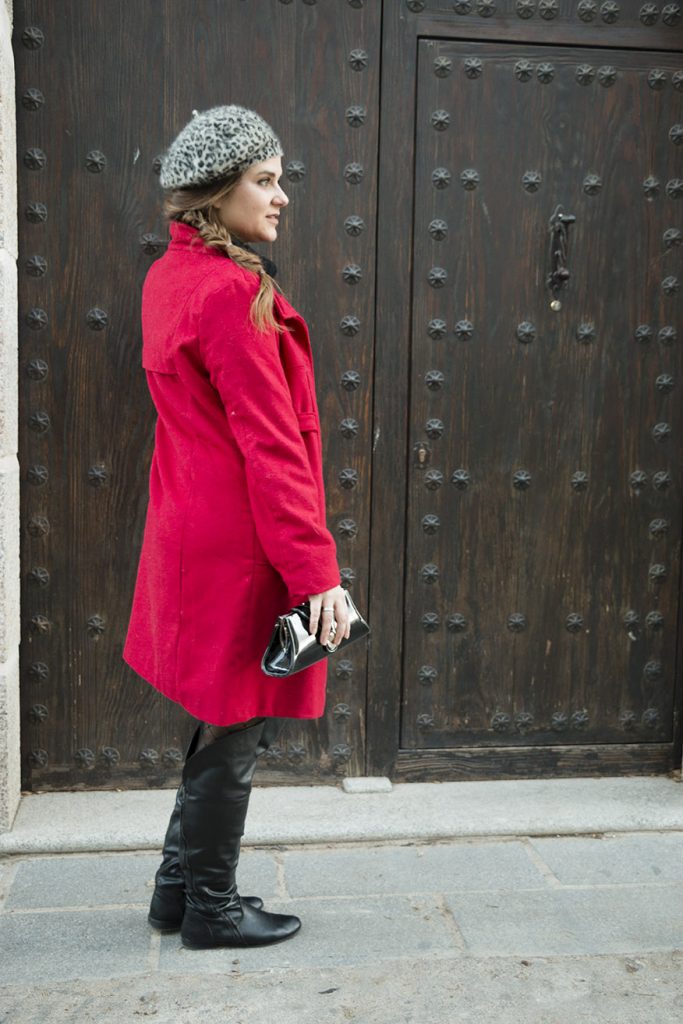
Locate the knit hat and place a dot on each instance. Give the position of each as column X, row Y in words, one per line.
column 216, row 142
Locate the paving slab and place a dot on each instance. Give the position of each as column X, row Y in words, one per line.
column 624, row 859
column 621, row 920
column 73, row 944
column 341, row 932
column 438, row 867
column 50, row 882
column 107, row 880
column 137, row 819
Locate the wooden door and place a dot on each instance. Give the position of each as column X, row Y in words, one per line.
column 540, row 599
column 102, row 88
column 525, row 604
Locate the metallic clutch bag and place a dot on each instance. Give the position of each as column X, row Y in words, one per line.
column 293, row 648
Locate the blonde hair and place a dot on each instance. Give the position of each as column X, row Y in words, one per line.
column 194, row 206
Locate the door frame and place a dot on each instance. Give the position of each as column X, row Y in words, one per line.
column 403, row 25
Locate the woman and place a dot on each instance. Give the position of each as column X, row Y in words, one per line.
column 235, row 531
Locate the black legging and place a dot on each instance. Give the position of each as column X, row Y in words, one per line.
column 210, row 733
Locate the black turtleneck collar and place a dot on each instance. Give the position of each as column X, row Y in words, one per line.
column 268, row 265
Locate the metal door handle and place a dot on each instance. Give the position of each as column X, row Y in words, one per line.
column 559, row 275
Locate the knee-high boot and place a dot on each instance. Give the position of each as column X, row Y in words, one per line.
column 168, row 899
column 217, row 781
column 167, row 905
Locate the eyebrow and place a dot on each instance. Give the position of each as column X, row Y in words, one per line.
column 267, row 174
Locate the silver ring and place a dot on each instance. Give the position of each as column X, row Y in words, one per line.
column 329, row 608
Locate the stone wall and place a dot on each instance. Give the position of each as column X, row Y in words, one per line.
column 9, row 465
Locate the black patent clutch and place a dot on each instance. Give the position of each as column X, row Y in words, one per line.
column 292, row 648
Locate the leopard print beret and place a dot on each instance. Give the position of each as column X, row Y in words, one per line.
column 216, row 142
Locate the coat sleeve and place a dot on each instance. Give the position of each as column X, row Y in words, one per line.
column 245, row 368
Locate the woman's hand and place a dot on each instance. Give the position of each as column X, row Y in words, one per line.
column 333, row 608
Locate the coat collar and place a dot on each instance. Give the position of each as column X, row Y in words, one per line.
column 182, row 235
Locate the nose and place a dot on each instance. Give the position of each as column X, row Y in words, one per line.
column 282, row 199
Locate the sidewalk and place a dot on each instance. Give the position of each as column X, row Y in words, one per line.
column 569, row 930
column 534, row 901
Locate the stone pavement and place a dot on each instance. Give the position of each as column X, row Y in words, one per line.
column 539, row 930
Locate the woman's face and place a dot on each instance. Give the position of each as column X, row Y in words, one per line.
column 252, row 208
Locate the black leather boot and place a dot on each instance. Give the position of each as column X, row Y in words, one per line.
column 167, row 906
column 217, row 781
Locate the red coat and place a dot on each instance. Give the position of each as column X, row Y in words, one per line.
column 235, row 531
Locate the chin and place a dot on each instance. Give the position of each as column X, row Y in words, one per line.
column 266, row 234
